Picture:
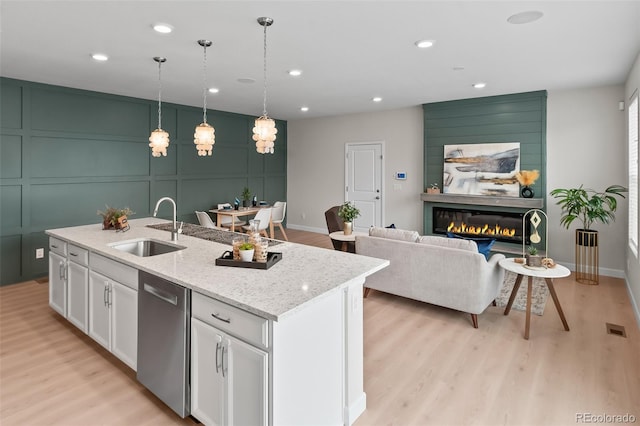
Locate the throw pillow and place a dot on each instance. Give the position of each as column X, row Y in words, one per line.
column 394, row 234
column 484, row 243
column 453, row 243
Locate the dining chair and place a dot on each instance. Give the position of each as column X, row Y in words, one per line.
column 277, row 216
column 205, row 220
column 264, row 216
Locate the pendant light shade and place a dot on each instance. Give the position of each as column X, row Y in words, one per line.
column 204, row 136
column 264, row 132
column 159, row 139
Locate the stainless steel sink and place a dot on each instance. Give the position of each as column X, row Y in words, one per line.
column 146, row 247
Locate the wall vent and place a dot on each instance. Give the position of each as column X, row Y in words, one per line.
column 615, row 329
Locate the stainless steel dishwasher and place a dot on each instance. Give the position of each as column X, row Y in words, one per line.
column 164, row 313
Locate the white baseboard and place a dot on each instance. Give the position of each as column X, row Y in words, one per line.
column 634, row 302
column 355, row 410
column 615, row 273
column 308, row 228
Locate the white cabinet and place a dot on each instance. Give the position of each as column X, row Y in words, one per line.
column 229, row 377
column 113, row 307
column 69, row 281
column 78, row 287
column 58, row 282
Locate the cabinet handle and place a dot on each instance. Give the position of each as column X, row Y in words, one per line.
column 61, row 270
column 104, row 293
column 54, row 246
column 109, row 289
column 222, row 366
column 218, row 317
column 217, row 350
column 73, row 254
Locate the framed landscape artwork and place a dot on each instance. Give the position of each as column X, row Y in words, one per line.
column 482, row 169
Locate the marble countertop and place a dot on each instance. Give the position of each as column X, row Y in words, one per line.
column 305, row 273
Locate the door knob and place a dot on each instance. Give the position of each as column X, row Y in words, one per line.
column 377, row 197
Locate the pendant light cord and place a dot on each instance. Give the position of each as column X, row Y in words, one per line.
column 159, row 94
column 264, row 104
column 204, row 81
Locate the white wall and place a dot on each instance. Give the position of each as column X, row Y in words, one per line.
column 586, row 145
column 633, row 264
column 315, row 156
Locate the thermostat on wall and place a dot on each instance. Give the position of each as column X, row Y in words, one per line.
column 401, row 175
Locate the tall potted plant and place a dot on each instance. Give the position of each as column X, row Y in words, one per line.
column 246, row 197
column 589, row 207
column 348, row 213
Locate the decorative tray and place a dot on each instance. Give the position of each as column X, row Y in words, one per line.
column 227, row 260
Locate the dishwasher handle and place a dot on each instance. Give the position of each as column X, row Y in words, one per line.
column 162, row 295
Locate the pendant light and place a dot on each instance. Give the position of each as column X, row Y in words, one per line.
column 159, row 139
column 204, row 136
column 264, row 132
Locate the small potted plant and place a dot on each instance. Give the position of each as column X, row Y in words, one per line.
column 348, row 213
column 533, row 259
column 246, row 197
column 246, row 252
column 112, row 217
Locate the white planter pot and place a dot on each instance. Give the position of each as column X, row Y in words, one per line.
column 246, row 255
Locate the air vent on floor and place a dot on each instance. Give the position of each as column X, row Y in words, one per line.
column 615, row 329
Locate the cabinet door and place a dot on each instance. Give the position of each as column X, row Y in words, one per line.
column 207, row 383
column 246, row 371
column 124, row 323
column 77, row 295
column 99, row 320
column 58, row 283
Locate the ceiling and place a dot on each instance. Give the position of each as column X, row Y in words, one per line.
column 348, row 51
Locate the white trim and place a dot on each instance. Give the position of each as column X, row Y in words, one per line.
column 608, row 272
column 634, row 303
column 308, row 228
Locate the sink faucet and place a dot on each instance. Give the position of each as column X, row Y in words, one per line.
column 174, row 229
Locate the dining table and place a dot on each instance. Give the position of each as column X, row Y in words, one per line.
column 241, row 212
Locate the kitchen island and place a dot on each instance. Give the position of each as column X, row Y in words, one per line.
column 307, row 310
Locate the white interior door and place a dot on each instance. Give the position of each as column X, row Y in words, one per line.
column 363, row 175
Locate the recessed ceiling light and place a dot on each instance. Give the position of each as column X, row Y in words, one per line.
column 162, row 28
column 100, row 57
column 304, row 109
column 525, row 17
column 458, row 68
column 214, row 90
column 295, row 73
column 480, row 85
column 377, row 99
column 423, row 44
column 246, row 80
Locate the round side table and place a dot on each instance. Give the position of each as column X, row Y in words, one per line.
column 339, row 236
column 548, row 274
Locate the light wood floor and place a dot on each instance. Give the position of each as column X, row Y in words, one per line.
column 424, row 365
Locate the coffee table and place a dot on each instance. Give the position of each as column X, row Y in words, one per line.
column 548, row 274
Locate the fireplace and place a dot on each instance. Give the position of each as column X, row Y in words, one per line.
column 503, row 226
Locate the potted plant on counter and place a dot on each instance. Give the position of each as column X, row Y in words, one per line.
column 589, row 207
column 348, row 213
column 112, row 216
column 246, row 252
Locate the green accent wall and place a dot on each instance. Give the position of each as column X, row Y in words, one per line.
column 520, row 117
column 66, row 153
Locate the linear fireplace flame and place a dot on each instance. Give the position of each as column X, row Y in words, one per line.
column 484, row 230
column 501, row 225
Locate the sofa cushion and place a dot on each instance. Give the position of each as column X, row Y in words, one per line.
column 394, row 234
column 454, row 243
column 484, row 243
